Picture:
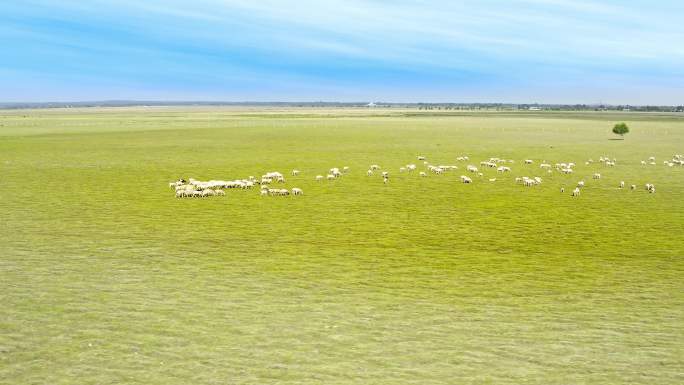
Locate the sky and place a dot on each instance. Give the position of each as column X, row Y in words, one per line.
column 518, row 51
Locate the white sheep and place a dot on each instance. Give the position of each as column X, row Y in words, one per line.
column 297, row 191
column 319, row 178
column 622, row 184
column 295, row 172
column 422, row 173
column 330, row 177
column 369, row 172
column 596, row 176
column 576, row 192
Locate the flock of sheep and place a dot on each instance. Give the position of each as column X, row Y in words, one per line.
column 193, row 188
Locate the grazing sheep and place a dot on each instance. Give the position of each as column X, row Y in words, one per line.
column 529, row 161
column 319, row 178
column 596, row 176
column 471, row 168
column 420, row 157
column 492, row 179
column 385, row 180
column 295, row 172
column 643, row 162
column 369, row 172
column 264, row 192
column 330, row 177
column 580, row 183
column 562, row 189
column 422, row 173
column 576, row 192
column 466, row 179
column 374, row 167
column 622, row 184
column 385, row 174
column 297, row 191
column 632, row 187
column 220, row 193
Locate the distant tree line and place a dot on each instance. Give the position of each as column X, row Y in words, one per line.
column 419, row 106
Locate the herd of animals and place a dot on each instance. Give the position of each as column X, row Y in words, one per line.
column 193, row 188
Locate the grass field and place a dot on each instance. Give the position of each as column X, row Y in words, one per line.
column 106, row 278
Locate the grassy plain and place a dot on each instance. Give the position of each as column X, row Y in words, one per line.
column 106, row 278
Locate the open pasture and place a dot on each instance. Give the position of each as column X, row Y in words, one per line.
column 106, row 277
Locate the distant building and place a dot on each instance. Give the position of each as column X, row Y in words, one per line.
column 534, row 108
column 371, row 104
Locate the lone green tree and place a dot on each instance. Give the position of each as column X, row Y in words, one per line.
column 620, row 129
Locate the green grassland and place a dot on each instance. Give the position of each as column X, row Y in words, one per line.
column 106, row 278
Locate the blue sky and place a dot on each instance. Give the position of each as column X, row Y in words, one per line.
column 546, row 51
